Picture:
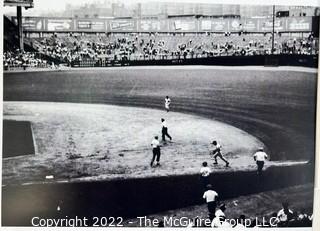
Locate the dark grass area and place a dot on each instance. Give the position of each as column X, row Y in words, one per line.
column 254, row 206
column 278, row 107
column 17, row 138
column 138, row 197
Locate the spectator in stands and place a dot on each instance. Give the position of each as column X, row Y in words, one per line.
column 241, row 222
column 284, row 215
column 132, row 46
column 220, row 222
column 220, row 218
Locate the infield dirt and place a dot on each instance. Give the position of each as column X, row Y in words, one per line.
column 277, row 107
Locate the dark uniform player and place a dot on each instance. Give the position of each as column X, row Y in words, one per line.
column 155, row 151
column 165, row 130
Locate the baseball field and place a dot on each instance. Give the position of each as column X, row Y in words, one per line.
column 97, row 124
column 276, row 108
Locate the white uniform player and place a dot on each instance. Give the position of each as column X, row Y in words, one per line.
column 260, row 156
column 167, row 102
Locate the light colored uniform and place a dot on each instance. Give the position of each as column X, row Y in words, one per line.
column 156, row 151
column 167, row 103
column 210, row 196
column 164, row 124
column 155, row 143
column 260, row 156
column 205, row 171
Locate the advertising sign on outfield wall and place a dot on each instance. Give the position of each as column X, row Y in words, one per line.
column 183, row 25
column 235, row 25
column 266, row 25
column 122, row 25
column 59, row 24
column 31, row 23
column 216, row 25
column 292, row 24
column 250, row 25
column 153, row 25
column 299, row 24
column 95, row 25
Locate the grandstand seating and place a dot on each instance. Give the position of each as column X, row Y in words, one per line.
column 68, row 47
column 133, row 46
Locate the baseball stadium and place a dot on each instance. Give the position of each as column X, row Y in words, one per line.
column 83, row 99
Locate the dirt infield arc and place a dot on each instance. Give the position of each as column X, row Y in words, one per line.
column 277, row 107
column 90, row 142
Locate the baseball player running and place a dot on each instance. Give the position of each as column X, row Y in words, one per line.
column 260, row 156
column 165, row 130
column 216, row 152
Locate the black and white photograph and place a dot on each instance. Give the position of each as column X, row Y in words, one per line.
column 163, row 113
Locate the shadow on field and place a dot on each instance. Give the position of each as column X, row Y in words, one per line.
column 136, row 197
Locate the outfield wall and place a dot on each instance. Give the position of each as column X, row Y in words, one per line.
column 255, row 60
column 171, row 25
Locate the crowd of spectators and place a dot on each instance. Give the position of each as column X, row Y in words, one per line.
column 134, row 46
column 70, row 47
column 17, row 59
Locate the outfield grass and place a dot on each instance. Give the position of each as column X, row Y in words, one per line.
column 278, row 107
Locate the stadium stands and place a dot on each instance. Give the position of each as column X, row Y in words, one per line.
column 95, row 48
column 133, row 46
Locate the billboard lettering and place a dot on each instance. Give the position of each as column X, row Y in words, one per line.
column 59, row 24
column 187, row 25
column 299, row 24
column 123, row 25
column 250, row 25
column 289, row 24
column 90, row 25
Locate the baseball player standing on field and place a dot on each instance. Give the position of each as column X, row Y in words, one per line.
column 260, row 156
column 155, row 151
column 216, row 152
column 167, row 102
column 165, row 130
